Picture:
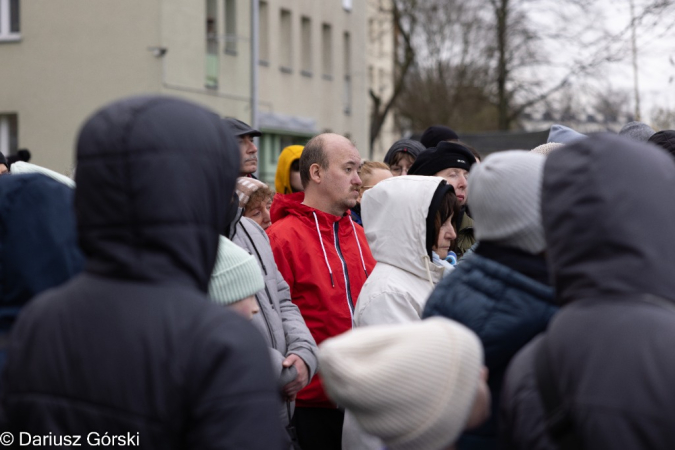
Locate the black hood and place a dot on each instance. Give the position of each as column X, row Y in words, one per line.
column 608, row 217
column 155, row 176
column 38, row 239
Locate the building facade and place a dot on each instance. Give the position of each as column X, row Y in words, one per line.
column 60, row 61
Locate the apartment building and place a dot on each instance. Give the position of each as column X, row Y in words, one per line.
column 62, row 60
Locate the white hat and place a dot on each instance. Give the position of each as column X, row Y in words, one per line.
column 412, row 385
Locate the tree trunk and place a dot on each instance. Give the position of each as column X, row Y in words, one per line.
column 501, row 12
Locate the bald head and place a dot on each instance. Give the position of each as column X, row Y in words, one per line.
column 328, row 169
column 317, row 151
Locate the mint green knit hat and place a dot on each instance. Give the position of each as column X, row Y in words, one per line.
column 236, row 274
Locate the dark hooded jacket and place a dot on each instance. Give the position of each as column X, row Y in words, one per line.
column 133, row 345
column 38, row 243
column 610, row 347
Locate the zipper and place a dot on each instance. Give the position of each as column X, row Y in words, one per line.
column 345, row 272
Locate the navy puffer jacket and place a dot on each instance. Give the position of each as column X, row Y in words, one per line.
column 500, row 294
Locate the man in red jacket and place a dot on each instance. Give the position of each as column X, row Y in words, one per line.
column 325, row 260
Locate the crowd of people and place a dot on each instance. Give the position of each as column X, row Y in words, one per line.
column 436, row 300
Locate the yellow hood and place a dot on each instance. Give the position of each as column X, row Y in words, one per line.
column 282, row 180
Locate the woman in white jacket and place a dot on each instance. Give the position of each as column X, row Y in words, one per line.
column 408, row 224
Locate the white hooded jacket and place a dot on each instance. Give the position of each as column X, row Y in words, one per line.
column 394, row 217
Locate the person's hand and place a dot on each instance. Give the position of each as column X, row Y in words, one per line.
column 292, row 388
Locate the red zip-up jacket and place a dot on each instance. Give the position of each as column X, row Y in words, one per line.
column 325, row 260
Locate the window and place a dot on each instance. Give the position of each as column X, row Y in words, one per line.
column 212, row 66
column 306, row 44
column 285, row 52
column 9, row 20
column 231, row 27
column 326, row 52
column 263, row 34
column 9, row 134
column 347, row 68
column 271, row 145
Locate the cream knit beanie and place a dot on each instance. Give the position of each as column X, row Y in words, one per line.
column 236, row 274
column 412, row 385
column 505, row 200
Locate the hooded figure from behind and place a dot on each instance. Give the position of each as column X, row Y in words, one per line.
column 133, row 345
column 38, row 243
column 612, row 257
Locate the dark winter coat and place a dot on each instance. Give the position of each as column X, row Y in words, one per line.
column 610, row 347
column 133, row 345
column 38, row 243
column 503, row 296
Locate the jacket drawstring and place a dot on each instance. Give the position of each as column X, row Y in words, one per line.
column 255, row 248
column 426, row 265
column 325, row 257
column 356, row 236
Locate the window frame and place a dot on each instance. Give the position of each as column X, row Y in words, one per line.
column 6, row 33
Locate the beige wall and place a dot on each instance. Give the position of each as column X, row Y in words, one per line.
column 76, row 56
column 184, row 72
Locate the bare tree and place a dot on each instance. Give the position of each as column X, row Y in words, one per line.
column 480, row 65
column 663, row 119
column 404, row 21
column 526, row 39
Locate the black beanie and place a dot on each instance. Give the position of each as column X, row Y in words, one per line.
column 435, row 134
column 446, row 155
column 441, row 192
column 664, row 139
column 414, row 148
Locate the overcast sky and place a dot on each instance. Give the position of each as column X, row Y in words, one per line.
column 656, row 54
